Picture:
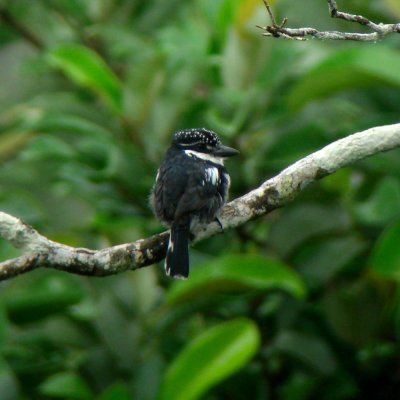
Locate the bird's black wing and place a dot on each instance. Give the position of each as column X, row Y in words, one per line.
column 171, row 183
column 202, row 195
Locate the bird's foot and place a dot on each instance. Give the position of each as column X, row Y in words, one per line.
column 219, row 223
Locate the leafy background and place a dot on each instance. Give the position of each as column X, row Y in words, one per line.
column 300, row 304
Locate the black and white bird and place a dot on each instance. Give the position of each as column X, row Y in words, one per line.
column 191, row 187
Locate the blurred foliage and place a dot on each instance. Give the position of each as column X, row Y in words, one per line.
column 300, row 304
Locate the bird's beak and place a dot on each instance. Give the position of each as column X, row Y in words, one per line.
column 225, row 151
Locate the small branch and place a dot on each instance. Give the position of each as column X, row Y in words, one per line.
column 379, row 30
column 273, row 193
column 15, row 25
column 17, row 266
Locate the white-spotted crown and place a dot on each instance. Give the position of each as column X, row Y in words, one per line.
column 196, row 135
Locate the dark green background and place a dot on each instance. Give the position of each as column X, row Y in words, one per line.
column 299, row 304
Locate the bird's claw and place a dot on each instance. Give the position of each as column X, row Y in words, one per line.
column 219, row 223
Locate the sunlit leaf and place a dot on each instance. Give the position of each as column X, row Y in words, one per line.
column 239, row 273
column 86, row 68
column 246, row 10
column 211, row 357
column 394, row 6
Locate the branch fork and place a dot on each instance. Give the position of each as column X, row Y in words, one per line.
column 279, row 30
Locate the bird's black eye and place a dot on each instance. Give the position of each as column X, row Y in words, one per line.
column 202, row 147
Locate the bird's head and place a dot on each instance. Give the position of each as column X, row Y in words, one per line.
column 202, row 143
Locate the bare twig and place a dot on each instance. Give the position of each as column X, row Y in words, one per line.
column 379, row 30
column 273, row 193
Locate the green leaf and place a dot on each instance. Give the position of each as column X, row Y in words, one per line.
column 311, row 350
column 393, row 6
column 209, row 358
column 41, row 294
column 66, row 385
column 298, row 386
column 9, row 387
column 302, row 223
column 383, row 205
column 350, row 68
column 4, row 326
column 12, row 142
column 355, row 312
column 86, row 68
column 56, row 122
column 385, row 257
column 322, row 260
column 236, row 274
column 117, row 391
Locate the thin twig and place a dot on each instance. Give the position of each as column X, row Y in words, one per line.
column 379, row 30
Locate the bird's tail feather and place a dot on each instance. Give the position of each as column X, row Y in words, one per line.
column 177, row 261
